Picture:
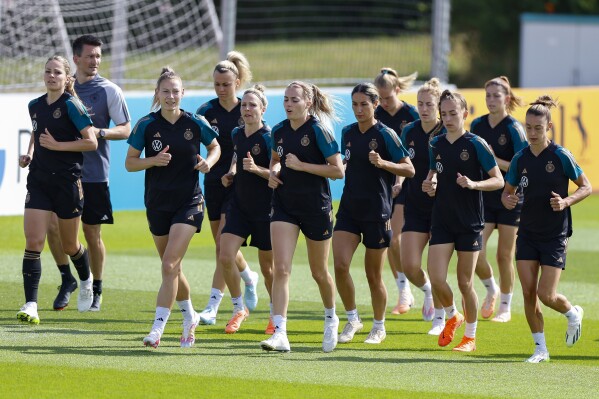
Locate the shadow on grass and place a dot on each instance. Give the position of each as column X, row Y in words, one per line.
column 100, row 351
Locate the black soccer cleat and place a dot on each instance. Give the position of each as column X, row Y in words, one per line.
column 64, row 294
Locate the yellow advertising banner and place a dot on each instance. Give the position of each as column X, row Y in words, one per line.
column 574, row 120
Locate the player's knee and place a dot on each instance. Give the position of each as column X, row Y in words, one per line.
column 227, row 260
column 546, row 296
column 465, row 284
column 170, row 268
column 320, row 276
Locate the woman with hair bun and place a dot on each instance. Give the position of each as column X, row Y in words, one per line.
column 541, row 173
column 395, row 114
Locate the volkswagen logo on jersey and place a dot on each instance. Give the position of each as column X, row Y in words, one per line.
column 157, row 145
column 439, row 167
column 280, row 151
column 412, row 153
column 347, row 154
column 524, row 181
column 215, row 128
column 34, row 124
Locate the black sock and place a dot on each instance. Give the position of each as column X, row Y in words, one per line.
column 97, row 285
column 81, row 262
column 32, row 272
column 65, row 273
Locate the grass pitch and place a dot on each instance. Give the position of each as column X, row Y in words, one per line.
column 101, row 354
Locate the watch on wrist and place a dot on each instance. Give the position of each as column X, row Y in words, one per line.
column 102, row 134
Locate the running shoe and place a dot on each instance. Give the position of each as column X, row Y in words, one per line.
column 152, row 339
column 450, row 328
column 64, row 294
column 270, row 328
column 574, row 330
column 278, row 342
column 188, row 337
column 488, row 307
column 208, row 316
column 405, row 302
column 467, row 345
column 375, row 336
column 96, row 303
column 331, row 330
column 538, row 357
column 235, row 321
column 250, row 298
column 437, row 327
column 502, row 317
column 428, row 309
column 86, row 296
column 349, row 330
column 28, row 313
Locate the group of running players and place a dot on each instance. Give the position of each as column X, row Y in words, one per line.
column 413, row 176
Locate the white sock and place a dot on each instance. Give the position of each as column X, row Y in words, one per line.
column 470, row 330
column 426, row 288
column 186, row 309
column 440, row 314
column 352, row 315
column 490, row 285
column 506, row 302
column 329, row 313
column 280, row 323
column 216, row 296
column 572, row 314
column 378, row 325
column 539, row 340
column 450, row 311
column 401, row 281
column 237, row 304
column 162, row 315
column 246, row 275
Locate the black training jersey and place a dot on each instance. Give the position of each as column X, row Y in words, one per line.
column 406, row 114
column 537, row 176
column 506, row 139
column 367, row 191
column 223, row 122
column 252, row 194
column 457, row 209
column 64, row 119
column 304, row 193
column 175, row 185
column 416, row 140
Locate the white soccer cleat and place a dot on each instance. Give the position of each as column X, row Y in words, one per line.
column 428, row 309
column 188, row 337
column 538, row 357
column 277, row 342
column 28, row 313
column 437, row 327
column 375, row 336
column 329, row 339
column 405, row 302
column 86, row 295
column 250, row 297
column 208, row 316
column 152, row 339
column 574, row 331
column 502, row 317
column 349, row 330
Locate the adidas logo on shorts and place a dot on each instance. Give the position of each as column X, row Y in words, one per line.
column 105, row 217
column 190, row 217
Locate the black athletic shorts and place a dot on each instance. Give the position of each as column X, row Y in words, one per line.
column 160, row 222
column 503, row 216
column 416, row 222
column 55, row 193
column 218, row 198
column 467, row 242
column 374, row 235
column 238, row 223
column 316, row 227
column 547, row 253
column 97, row 208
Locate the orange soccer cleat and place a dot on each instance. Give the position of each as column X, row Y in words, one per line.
column 467, row 345
column 235, row 321
column 451, row 326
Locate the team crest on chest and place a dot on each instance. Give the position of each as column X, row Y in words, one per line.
column 157, row 145
column 550, row 167
column 256, row 149
column 464, row 156
column 373, row 145
column 188, row 134
column 502, row 140
column 305, row 141
column 56, row 114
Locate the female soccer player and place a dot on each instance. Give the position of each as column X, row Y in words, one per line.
column 62, row 130
column 223, row 113
column 304, row 155
column 418, row 206
column 505, row 136
column 249, row 211
column 374, row 156
column 174, row 202
column 457, row 159
column 542, row 172
column 395, row 113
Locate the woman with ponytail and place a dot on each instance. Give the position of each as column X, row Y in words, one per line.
column 541, row 173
